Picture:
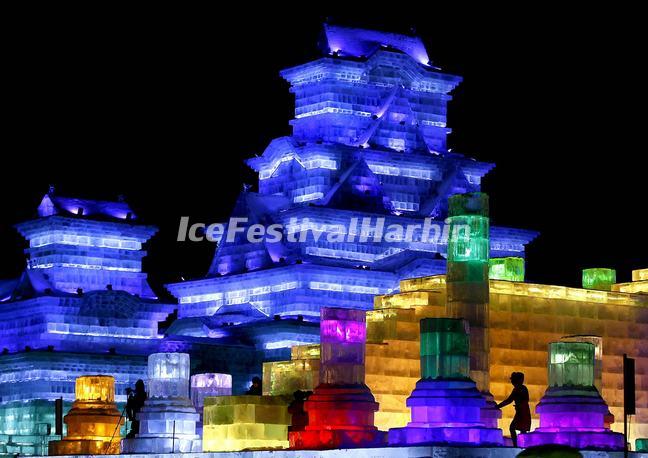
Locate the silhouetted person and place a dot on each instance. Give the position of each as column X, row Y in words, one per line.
column 299, row 419
column 255, row 389
column 520, row 395
column 134, row 404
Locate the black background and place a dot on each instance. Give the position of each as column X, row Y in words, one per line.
column 164, row 109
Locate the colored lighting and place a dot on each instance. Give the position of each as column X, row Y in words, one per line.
column 571, row 364
column 300, row 373
column 204, row 385
column 83, row 305
column 168, row 375
column 641, row 445
column 469, row 240
column 467, row 276
column 523, row 319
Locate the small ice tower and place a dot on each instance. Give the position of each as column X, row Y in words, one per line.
column 93, row 423
column 446, row 405
column 341, row 409
column 572, row 412
column 87, row 244
column 168, row 418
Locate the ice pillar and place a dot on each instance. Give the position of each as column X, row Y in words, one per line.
column 467, row 277
column 341, row 409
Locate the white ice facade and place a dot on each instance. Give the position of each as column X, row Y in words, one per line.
column 369, row 141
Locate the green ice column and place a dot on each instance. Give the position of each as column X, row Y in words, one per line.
column 571, row 364
column 467, row 276
column 445, row 346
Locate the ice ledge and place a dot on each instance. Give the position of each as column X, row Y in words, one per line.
column 386, row 452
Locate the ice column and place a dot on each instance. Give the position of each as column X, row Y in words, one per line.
column 341, row 409
column 467, row 277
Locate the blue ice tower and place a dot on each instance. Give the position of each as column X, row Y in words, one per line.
column 368, row 143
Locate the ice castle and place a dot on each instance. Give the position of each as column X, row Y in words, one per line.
column 369, row 142
column 368, row 152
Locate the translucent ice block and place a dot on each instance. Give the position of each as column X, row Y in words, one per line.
column 168, row 375
column 571, row 364
column 599, row 278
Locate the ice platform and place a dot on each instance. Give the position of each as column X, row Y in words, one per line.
column 385, row 452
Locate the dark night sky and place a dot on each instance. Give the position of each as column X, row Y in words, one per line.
column 164, row 112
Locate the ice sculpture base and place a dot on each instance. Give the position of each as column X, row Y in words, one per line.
column 412, row 435
column 323, row 439
column 590, row 440
column 340, row 416
column 83, row 447
column 573, row 416
column 160, row 445
column 448, row 412
column 167, row 425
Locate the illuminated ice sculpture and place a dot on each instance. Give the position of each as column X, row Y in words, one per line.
column 341, row 409
column 446, row 405
column 168, row 418
column 572, row 412
column 94, row 422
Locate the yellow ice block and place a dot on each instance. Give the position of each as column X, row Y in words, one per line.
column 235, row 423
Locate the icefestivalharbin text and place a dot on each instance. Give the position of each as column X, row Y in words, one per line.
column 367, row 229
